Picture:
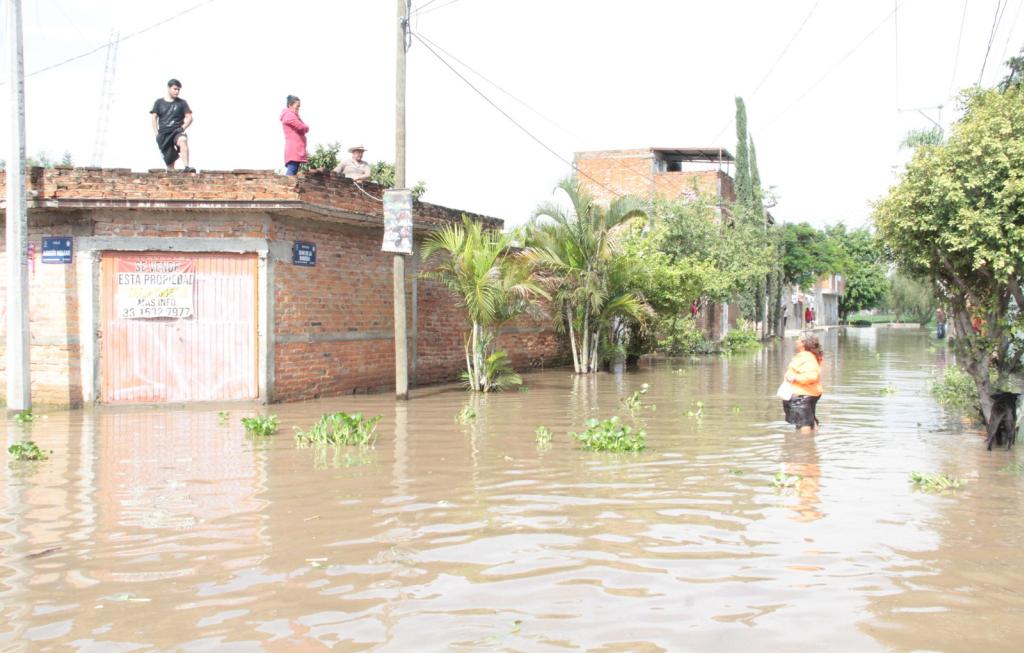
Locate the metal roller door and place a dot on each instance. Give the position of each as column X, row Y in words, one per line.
column 178, row 327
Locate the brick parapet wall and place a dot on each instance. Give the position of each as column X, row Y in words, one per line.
column 73, row 187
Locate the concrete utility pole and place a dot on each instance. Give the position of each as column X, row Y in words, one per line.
column 401, row 338
column 18, row 384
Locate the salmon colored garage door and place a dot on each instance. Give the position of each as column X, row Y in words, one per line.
column 178, row 327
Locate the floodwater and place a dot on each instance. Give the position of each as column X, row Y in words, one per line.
column 164, row 529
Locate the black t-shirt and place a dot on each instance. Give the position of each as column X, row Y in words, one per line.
column 170, row 115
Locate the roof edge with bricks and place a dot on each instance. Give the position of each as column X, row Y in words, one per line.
column 320, row 195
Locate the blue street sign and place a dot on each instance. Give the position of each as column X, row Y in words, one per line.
column 57, row 249
column 304, row 253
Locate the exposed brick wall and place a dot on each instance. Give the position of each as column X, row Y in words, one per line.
column 629, row 172
column 348, row 291
column 708, row 183
column 633, row 172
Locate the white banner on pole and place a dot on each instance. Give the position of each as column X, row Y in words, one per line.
column 397, row 221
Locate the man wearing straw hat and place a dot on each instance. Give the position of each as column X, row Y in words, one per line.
column 355, row 168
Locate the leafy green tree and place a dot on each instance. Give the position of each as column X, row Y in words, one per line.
column 574, row 252
column 911, row 297
column 860, row 260
column 807, row 254
column 491, row 284
column 1016, row 75
column 956, row 218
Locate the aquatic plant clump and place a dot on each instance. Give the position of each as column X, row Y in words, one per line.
column 466, row 415
column 935, row 482
column 26, row 450
column 611, row 435
column 260, row 425
column 784, row 481
column 956, row 390
column 25, row 417
column 543, row 435
column 340, row 428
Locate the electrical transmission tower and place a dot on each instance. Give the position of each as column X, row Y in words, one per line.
column 106, row 99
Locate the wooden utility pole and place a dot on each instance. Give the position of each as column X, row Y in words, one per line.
column 18, row 384
column 401, row 338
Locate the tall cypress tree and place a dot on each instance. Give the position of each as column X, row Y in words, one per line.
column 744, row 190
column 757, row 193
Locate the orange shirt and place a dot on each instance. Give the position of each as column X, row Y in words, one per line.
column 804, row 374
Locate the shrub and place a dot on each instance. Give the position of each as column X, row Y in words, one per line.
column 26, row 450
column 740, row 340
column 611, row 435
column 682, row 337
column 956, row 390
column 340, row 429
column 324, row 157
column 260, row 425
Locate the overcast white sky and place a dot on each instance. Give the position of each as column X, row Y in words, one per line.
column 603, row 74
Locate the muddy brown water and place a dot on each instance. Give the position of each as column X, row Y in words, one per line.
column 163, row 529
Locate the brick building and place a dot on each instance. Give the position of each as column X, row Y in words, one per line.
column 658, row 172
column 261, row 323
column 666, row 173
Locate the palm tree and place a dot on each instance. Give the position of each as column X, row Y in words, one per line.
column 492, row 284
column 573, row 253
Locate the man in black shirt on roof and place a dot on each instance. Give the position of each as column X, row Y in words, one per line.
column 171, row 117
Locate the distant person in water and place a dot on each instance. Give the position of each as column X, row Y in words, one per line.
column 940, row 323
column 294, row 136
column 171, row 116
column 809, row 317
column 804, row 378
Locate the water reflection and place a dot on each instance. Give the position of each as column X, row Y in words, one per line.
column 167, row 529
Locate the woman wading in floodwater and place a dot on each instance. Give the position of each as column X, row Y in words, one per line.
column 804, row 379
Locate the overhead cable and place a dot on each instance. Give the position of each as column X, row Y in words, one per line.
column 120, row 40
column 497, row 86
column 835, row 66
column 510, row 118
column 998, row 18
column 956, row 57
column 417, row 12
column 771, row 68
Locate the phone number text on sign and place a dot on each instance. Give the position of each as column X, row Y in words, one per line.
column 150, row 288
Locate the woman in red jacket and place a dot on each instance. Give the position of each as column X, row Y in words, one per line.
column 294, row 136
column 804, row 379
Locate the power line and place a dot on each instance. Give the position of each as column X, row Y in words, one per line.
column 956, row 57
column 526, row 131
column 495, row 85
column 1013, row 24
column 420, row 10
column 771, row 69
column 121, row 40
column 422, row 7
column 836, row 65
column 998, row 18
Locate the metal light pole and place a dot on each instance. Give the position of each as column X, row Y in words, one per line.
column 18, row 382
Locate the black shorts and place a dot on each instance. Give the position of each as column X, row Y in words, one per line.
column 800, row 410
column 167, row 141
